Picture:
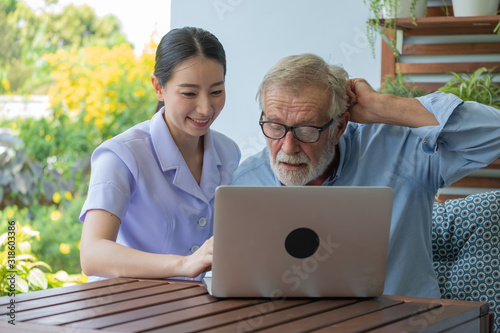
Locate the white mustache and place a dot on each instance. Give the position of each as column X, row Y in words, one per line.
column 299, row 158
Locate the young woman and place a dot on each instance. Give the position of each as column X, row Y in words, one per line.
column 149, row 208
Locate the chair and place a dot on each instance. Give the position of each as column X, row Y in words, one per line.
column 465, row 245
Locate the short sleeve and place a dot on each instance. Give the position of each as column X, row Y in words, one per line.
column 111, row 184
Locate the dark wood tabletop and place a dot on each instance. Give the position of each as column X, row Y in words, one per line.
column 131, row 305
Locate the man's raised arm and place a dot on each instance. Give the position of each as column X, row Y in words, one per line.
column 369, row 106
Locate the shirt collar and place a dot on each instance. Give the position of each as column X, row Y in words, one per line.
column 170, row 158
column 341, row 145
column 164, row 146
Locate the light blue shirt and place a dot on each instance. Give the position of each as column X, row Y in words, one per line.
column 415, row 163
column 141, row 177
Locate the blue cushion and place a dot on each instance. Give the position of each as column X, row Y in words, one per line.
column 465, row 245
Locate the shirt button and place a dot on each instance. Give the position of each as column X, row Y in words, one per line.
column 202, row 222
column 194, row 248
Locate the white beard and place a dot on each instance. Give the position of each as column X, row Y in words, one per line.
column 305, row 174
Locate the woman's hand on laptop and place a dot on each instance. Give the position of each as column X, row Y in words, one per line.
column 201, row 260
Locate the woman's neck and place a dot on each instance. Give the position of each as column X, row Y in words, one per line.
column 191, row 149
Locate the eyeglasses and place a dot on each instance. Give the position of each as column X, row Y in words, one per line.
column 306, row 134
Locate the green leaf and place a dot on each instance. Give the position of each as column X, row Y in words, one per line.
column 21, row 285
column 3, row 238
column 25, row 257
column 16, row 168
column 37, row 278
column 37, row 169
column 6, row 176
column 21, row 183
column 40, row 263
column 22, row 269
column 478, row 86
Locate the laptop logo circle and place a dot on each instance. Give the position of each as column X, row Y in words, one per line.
column 302, row 243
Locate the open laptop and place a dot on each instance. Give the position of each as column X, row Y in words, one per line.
column 300, row 241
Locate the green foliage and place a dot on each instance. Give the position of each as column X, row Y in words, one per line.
column 478, row 86
column 78, row 26
column 20, row 269
column 60, row 232
column 9, row 49
column 27, row 36
column 57, row 135
column 376, row 26
column 373, row 25
column 107, row 92
column 98, row 88
column 397, row 86
column 16, row 258
column 497, row 28
column 104, row 90
column 19, row 176
column 99, row 93
column 31, row 175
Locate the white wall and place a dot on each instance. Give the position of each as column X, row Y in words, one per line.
column 257, row 33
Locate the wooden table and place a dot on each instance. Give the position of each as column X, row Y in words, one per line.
column 130, row 305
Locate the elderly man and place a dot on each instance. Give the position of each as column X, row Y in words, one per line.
column 323, row 129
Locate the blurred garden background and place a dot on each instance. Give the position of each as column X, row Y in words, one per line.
column 97, row 86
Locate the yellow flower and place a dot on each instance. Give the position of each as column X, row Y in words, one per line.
column 56, row 197
column 13, row 126
column 47, row 137
column 64, row 248
column 140, row 93
column 6, row 84
column 10, row 213
column 87, row 80
column 68, row 196
column 99, row 123
column 55, row 215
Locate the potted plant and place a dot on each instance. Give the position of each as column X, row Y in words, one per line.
column 399, row 87
column 384, row 14
column 478, row 86
column 475, row 8
column 404, row 8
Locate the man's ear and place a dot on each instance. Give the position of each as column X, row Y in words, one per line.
column 342, row 121
column 157, row 87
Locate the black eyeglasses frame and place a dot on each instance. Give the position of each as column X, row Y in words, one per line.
column 292, row 129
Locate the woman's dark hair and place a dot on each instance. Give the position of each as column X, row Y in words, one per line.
column 181, row 44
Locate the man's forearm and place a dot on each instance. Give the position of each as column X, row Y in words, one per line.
column 401, row 111
column 367, row 106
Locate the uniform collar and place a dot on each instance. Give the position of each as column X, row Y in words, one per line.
column 170, row 159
